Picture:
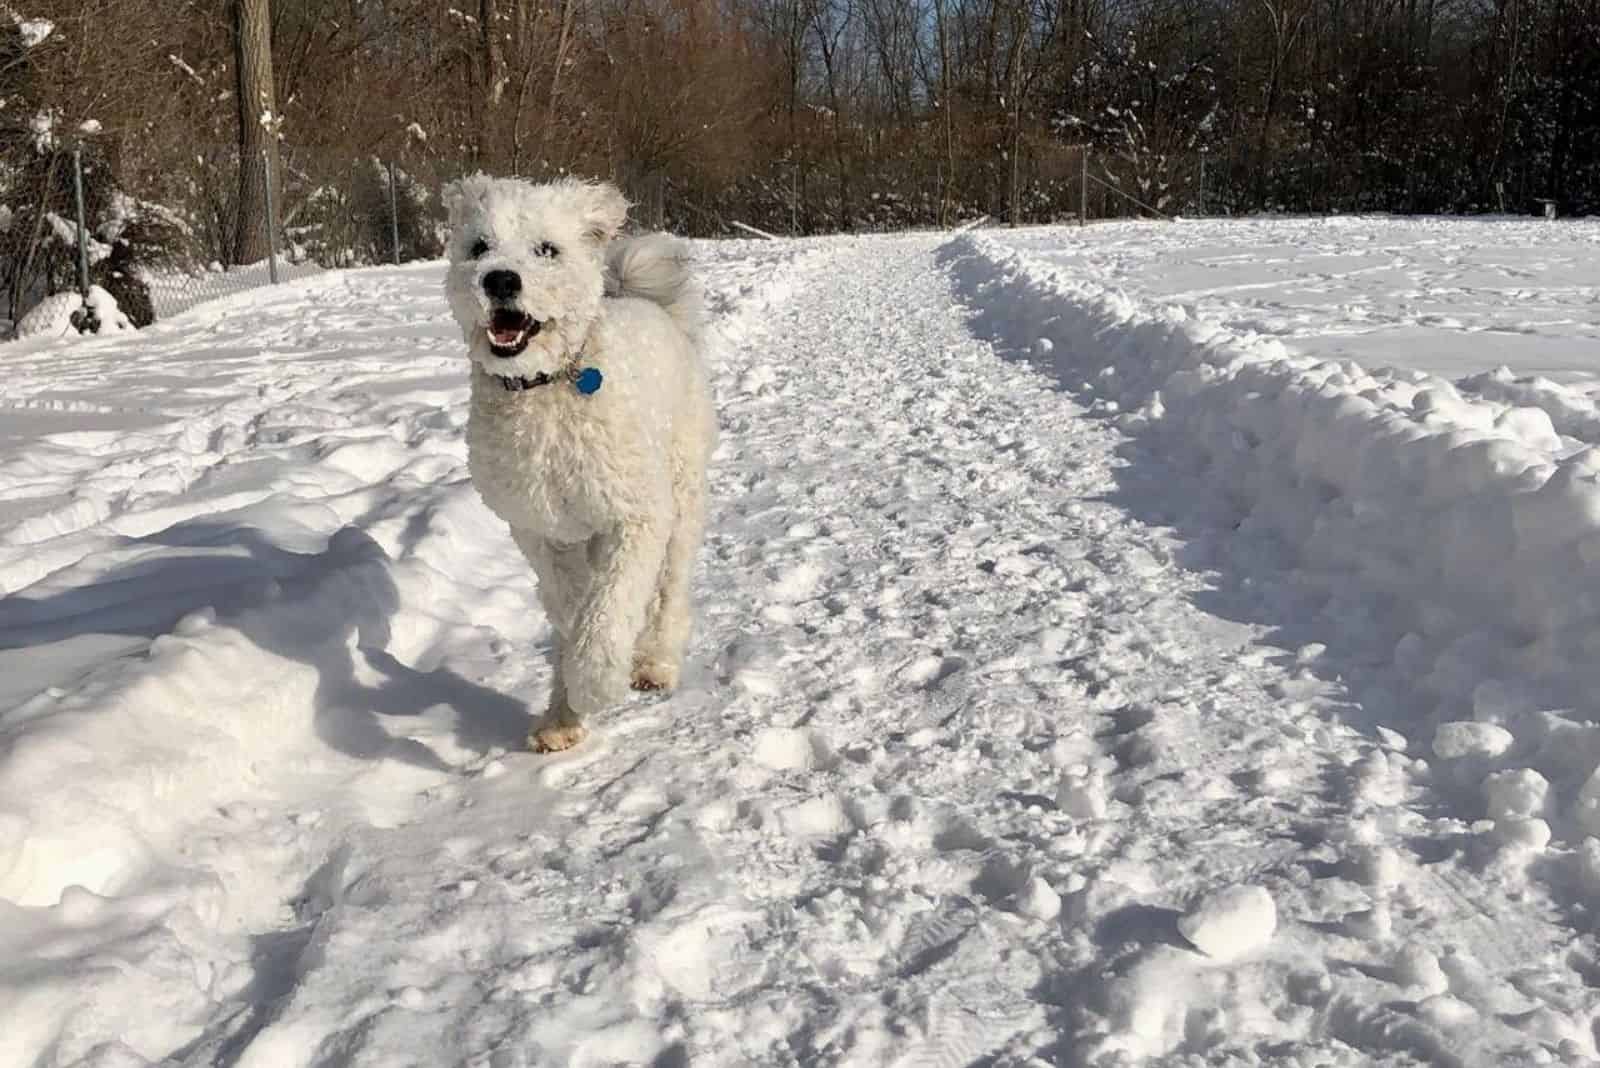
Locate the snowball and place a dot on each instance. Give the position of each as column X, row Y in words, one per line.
column 1444, row 1011
column 1515, row 793
column 1410, row 652
column 1517, row 834
column 1376, row 866
column 1495, row 702
column 1586, row 809
column 1038, row 900
column 1418, row 967
column 1532, row 426
column 196, row 622
column 79, row 906
column 1230, row 923
column 1392, row 739
column 1082, row 794
column 1374, row 924
column 1464, row 738
column 1589, row 865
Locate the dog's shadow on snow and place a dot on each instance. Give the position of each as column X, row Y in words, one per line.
column 328, row 610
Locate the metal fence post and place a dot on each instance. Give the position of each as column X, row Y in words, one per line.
column 272, row 221
column 1083, row 190
column 394, row 217
column 83, row 229
column 1202, row 181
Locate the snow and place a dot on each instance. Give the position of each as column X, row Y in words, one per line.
column 33, row 32
column 1231, row 922
column 1448, row 296
column 1454, row 741
column 55, row 315
column 66, row 232
column 1082, row 678
column 43, row 128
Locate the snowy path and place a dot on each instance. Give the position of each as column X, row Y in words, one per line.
column 987, row 693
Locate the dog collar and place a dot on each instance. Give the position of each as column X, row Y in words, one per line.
column 585, row 380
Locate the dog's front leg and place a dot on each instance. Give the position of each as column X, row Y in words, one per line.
column 598, row 660
column 558, row 729
column 563, row 572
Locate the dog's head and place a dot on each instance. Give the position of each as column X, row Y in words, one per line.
column 527, row 267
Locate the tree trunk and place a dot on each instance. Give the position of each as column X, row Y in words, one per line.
column 1019, row 27
column 947, row 192
column 258, row 124
column 494, row 64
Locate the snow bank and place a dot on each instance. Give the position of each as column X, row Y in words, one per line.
column 1467, row 515
column 1570, row 406
column 56, row 315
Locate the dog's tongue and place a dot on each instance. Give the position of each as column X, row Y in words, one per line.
column 506, row 327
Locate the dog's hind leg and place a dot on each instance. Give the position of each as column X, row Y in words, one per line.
column 658, row 658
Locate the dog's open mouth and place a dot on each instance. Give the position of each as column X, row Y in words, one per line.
column 510, row 331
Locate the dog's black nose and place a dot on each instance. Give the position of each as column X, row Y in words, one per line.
column 502, row 285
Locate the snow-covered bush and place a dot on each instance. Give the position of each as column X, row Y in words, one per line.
column 68, row 315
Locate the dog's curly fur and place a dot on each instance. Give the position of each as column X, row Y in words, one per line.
column 605, row 493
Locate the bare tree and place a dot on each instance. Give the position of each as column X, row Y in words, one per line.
column 259, row 172
column 802, row 114
column 1284, row 23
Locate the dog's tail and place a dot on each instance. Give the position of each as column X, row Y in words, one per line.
column 656, row 267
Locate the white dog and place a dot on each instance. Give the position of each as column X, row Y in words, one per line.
column 590, row 427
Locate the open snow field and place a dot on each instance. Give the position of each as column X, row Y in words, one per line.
column 1448, row 296
column 1090, row 672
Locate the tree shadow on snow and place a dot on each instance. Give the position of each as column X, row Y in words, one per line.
column 329, row 610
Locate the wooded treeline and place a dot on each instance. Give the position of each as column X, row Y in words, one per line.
column 811, row 115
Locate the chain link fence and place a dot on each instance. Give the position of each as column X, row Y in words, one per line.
column 157, row 241
column 153, row 246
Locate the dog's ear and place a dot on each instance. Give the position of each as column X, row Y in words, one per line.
column 604, row 211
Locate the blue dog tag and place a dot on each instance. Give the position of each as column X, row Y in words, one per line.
column 588, row 380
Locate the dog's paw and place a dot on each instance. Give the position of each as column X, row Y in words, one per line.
column 554, row 737
column 650, row 676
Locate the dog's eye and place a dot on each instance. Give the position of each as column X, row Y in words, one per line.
column 479, row 247
column 547, row 249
